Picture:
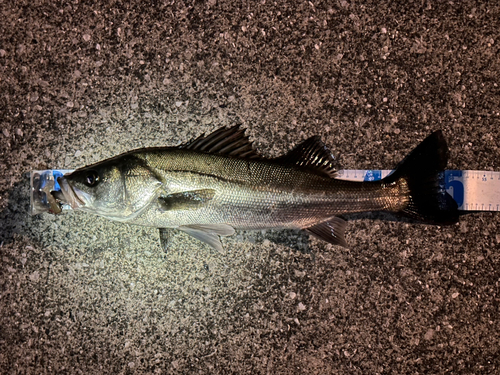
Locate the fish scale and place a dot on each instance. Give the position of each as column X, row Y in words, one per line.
column 253, row 194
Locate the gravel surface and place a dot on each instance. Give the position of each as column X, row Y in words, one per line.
column 82, row 81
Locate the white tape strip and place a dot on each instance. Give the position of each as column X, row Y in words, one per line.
column 472, row 190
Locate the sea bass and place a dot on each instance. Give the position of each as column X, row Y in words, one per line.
column 215, row 184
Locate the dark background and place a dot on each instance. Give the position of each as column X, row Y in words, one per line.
column 81, row 81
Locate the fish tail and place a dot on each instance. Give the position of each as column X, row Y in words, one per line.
column 422, row 172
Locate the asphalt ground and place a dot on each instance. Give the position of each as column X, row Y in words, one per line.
column 83, row 81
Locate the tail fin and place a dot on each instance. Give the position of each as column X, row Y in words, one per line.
column 422, row 170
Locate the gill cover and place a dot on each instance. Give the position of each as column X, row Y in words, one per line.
column 119, row 188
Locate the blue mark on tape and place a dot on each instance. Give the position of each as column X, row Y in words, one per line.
column 373, row 175
column 455, row 187
column 56, row 174
column 46, row 177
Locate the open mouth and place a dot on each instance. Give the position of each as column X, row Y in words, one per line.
column 69, row 195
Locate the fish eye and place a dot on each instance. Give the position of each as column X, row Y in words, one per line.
column 91, row 179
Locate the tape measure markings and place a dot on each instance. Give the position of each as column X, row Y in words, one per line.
column 472, row 190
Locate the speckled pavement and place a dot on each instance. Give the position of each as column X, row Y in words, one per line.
column 81, row 81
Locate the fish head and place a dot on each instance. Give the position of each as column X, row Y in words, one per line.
column 118, row 189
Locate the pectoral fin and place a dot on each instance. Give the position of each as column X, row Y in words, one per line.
column 331, row 231
column 209, row 233
column 186, row 200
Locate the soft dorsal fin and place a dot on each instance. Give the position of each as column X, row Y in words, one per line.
column 311, row 154
column 224, row 141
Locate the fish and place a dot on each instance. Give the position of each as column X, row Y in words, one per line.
column 218, row 183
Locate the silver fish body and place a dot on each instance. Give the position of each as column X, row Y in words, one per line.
column 215, row 184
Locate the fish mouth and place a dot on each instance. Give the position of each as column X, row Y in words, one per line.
column 71, row 195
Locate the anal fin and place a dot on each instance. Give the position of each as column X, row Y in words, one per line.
column 331, row 231
column 209, row 233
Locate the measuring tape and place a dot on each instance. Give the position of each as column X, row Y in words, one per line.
column 472, row 190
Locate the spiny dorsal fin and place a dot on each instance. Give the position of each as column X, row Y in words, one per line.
column 311, row 154
column 224, row 141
